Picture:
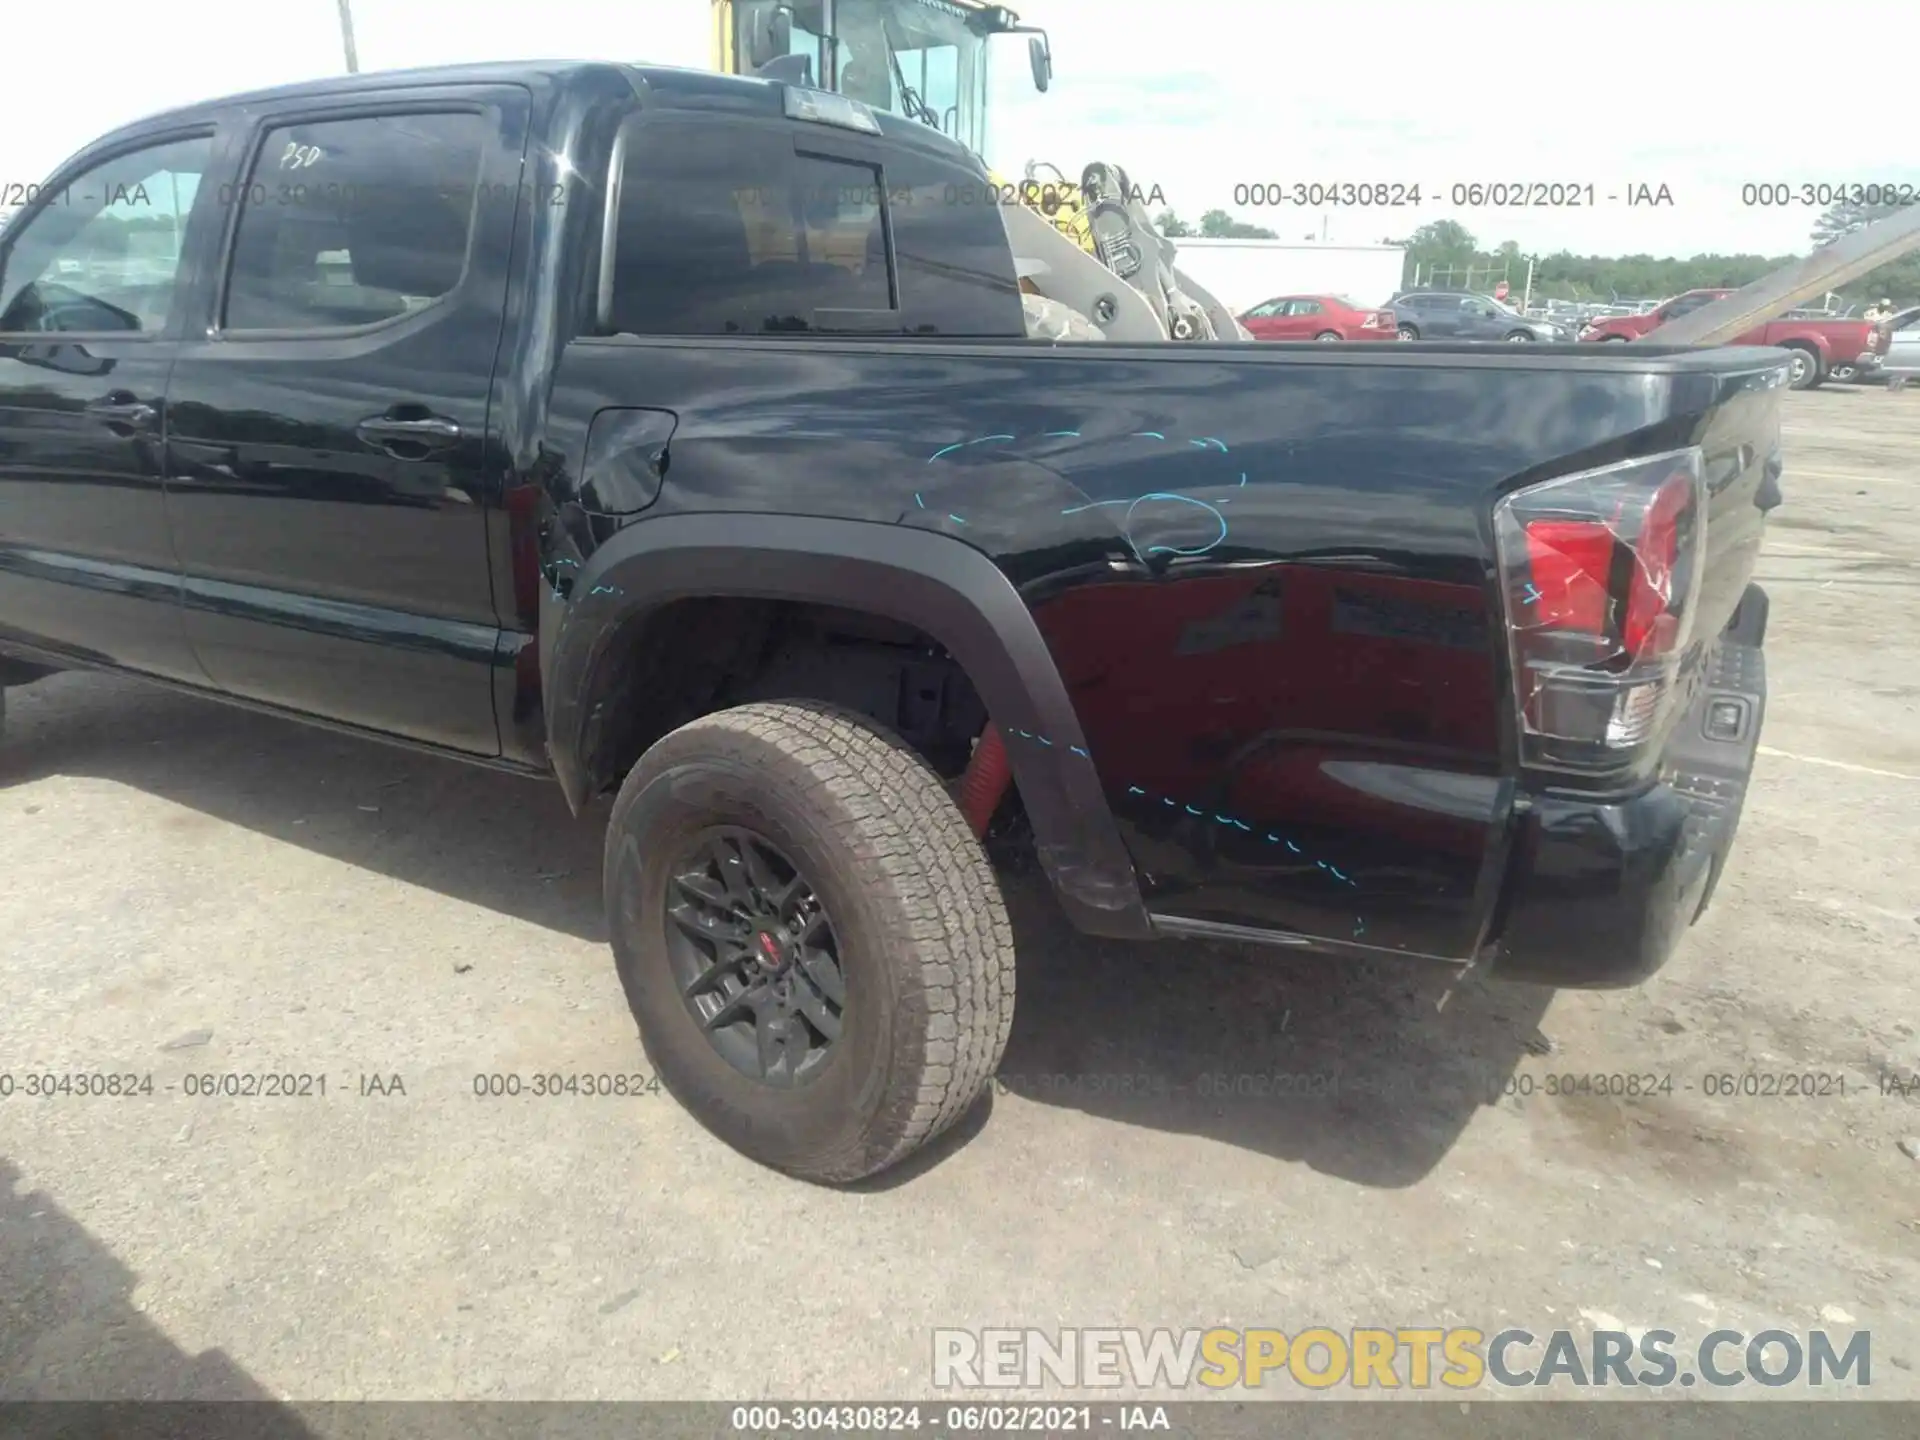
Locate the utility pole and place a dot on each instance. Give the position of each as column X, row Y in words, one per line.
column 346, row 35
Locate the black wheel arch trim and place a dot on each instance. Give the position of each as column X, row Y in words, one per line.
column 935, row 583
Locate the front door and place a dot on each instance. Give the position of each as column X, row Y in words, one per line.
column 330, row 463
column 90, row 316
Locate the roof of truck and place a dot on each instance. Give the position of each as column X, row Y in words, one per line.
column 674, row 85
column 480, row 73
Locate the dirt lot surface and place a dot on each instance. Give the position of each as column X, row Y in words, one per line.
column 193, row 890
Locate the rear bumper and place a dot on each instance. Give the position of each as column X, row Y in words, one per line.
column 1599, row 894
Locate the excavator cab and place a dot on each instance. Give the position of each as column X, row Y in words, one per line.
column 924, row 59
column 1090, row 262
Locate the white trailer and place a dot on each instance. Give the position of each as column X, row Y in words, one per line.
column 1242, row 273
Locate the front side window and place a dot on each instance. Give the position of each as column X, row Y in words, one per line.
column 352, row 222
column 103, row 254
column 1306, row 307
column 1686, row 305
column 725, row 230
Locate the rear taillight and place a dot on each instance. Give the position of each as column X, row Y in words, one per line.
column 1601, row 573
column 1385, row 320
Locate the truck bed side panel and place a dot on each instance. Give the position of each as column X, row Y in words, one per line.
column 1265, row 579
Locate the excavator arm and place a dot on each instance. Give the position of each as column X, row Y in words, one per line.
column 1092, row 250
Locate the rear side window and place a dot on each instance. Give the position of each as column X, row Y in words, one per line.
column 725, row 230
column 351, row 222
column 956, row 267
column 730, row 228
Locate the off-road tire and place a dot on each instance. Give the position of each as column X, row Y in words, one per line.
column 924, row 941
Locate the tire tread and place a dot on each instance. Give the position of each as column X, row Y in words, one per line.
column 949, row 941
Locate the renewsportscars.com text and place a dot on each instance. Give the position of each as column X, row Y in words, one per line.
column 1378, row 1358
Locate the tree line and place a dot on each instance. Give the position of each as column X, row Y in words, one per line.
column 1448, row 246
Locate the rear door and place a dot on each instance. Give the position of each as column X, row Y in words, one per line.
column 331, row 469
column 1438, row 316
column 91, row 313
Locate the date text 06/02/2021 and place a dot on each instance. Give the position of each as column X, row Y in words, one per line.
column 1036, row 1419
column 1466, row 194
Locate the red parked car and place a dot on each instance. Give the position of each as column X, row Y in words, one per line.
column 1317, row 317
column 1817, row 345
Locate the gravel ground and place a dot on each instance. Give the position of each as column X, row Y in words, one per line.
column 192, row 889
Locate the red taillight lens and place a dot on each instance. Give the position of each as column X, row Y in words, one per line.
column 1650, row 625
column 1601, row 571
column 1569, row 560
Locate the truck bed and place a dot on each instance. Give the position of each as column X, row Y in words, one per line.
column 1264, row 572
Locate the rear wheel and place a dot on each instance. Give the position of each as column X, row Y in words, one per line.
column 1328, row 335
column 1613, row 339
column 1805, row 372
column 809, row 936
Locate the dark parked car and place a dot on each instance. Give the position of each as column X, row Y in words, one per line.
column 1451, row 315
column 664, row 433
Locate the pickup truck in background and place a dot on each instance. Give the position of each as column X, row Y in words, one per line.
column 680, row 437
column 1815, row 347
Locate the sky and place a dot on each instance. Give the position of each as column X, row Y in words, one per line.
column 1194, row 98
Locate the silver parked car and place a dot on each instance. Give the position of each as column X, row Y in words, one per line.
column 1456, row 315
column 1902, row 360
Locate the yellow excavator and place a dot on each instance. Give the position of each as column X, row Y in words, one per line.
column 927, row 60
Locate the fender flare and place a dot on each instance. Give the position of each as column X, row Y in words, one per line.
column 935, row 583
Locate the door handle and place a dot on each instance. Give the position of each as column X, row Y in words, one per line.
column 429, row 432
column 120, row 410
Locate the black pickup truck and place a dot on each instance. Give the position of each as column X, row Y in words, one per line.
column 680, row 436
